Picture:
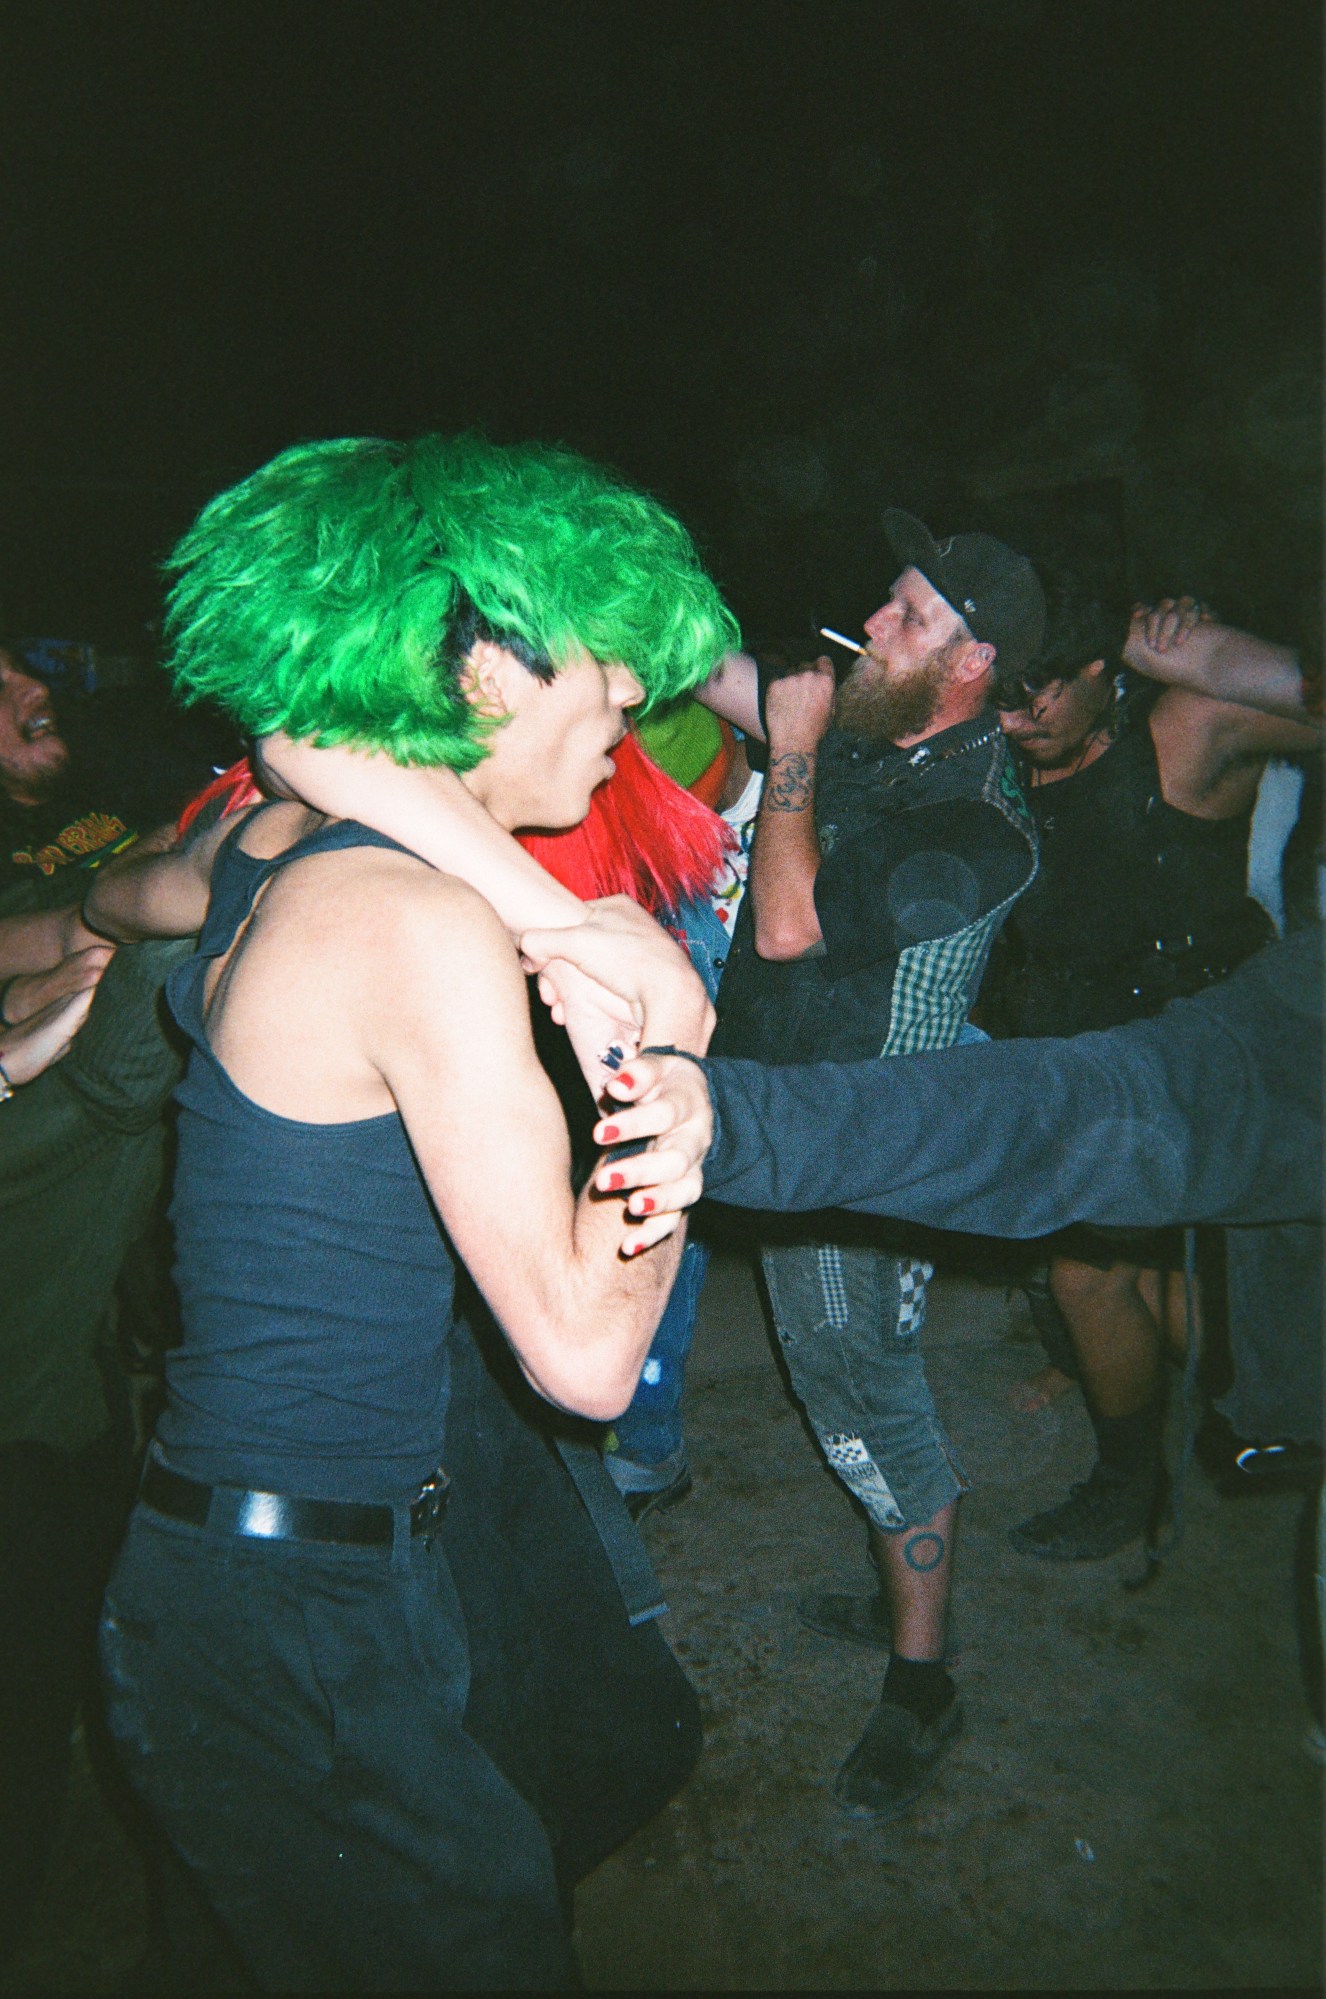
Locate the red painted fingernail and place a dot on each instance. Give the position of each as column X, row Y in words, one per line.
column 616, row 1180
column 607, row 1133
column 646, row 1206
column 624, row 1077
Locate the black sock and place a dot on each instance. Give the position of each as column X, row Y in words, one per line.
column 1130, row 1446
column 922, row 1685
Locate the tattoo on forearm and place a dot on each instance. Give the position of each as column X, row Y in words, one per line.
column 923, row 1552
column 790, row 786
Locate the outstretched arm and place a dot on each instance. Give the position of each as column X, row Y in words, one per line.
column 156, row 889
column 1209, row 1112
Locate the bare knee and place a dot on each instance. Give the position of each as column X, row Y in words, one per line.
column 1080, row 1289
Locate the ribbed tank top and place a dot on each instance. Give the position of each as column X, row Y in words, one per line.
column 1136, row 902
column 314, row 1274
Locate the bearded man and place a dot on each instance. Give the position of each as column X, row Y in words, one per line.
column 891, row 842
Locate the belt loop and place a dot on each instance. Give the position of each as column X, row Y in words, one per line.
column 400, row 1538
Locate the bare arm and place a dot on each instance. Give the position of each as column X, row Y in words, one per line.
column 156, row 890
column 492, row 1144
column 38, row 940
column 44, row 1037
column 785, row 854
column 430, row 812
column 733, row 691
column 1167, row 644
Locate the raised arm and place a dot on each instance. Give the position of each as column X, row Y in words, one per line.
column 785, row 854
column 733, row 691
column 1168, row 643
column 430, row 812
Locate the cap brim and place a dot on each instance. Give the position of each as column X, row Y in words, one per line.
column 911, row 541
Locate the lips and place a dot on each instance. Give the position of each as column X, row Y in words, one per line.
column 38, row 726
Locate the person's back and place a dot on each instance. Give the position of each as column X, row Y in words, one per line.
column 315, row 1285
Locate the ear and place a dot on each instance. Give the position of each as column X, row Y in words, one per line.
column 977, row 661
column 1096, row 671
column 490, row 678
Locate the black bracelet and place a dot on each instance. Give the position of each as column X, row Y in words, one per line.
column 685, row 1053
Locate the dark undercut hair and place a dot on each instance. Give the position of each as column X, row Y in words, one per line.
column 1082, row 625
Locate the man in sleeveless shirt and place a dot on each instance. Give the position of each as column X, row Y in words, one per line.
column 891, row 842
column 384, row 1734
column 1142, row 796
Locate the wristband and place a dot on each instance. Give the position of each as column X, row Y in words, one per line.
column 667, row 1049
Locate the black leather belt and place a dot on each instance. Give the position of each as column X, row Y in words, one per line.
column 273, row 1516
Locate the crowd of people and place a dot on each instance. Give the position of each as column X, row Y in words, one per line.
column 529, row 878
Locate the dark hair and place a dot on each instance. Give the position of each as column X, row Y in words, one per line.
column 1082, row 624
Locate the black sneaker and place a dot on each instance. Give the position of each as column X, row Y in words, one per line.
column 859, row 1620
column 1100, row 1515
column 895, row 1759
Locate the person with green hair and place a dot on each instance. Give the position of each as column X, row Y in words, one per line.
column 366, row 1659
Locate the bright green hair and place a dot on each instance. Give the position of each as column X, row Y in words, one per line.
column 335, row 592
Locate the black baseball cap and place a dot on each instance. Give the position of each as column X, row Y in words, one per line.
column 994, row 591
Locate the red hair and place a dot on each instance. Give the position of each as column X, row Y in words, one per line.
column 643, row 836
column 235, row 786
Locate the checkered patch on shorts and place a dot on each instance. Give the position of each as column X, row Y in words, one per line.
column 833, row 1286
column 913, row 1276
column 858, row 1471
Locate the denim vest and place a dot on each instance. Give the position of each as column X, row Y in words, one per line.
column 912, row 995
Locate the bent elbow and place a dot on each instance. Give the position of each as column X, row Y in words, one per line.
column 781, row 944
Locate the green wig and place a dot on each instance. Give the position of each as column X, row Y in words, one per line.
column 335, row 592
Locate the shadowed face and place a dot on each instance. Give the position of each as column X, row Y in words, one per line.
column 33, row 753
column 1056, row 725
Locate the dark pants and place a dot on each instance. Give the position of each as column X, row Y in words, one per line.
column 61, row 1516
column 384, row 1767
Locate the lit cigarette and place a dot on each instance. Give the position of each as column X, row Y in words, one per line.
column 826, row 632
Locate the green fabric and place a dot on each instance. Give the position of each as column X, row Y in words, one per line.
column 682, row 739
column 82, row 1157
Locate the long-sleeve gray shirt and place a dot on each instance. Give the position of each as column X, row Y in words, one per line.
column 1211, row 1111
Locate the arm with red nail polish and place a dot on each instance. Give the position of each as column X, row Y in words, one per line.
column 455, row 1048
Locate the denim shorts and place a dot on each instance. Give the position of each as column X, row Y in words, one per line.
column 849, row 1323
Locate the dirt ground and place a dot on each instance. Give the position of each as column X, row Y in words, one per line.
column 1133, row 1804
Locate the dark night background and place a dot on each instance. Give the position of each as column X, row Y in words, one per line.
column 782, row 263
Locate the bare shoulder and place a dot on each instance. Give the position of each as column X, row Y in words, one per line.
column 397, row 908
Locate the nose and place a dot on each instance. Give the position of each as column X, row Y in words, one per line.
column 875, row 623
column 624, row 690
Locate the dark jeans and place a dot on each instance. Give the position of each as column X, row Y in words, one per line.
column 61, row 1516
column 385, row 1767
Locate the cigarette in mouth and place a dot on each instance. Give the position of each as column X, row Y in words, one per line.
column 827, row 632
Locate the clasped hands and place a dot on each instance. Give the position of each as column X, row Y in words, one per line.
column 617, row 982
